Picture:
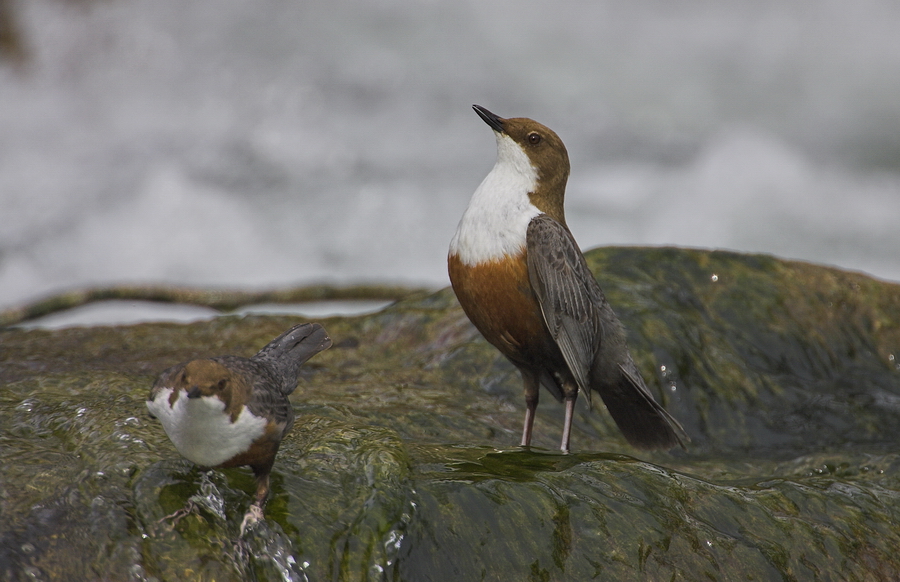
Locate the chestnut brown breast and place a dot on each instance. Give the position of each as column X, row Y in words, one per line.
column 498, row 299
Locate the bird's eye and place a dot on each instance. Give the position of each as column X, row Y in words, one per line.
column 534, row 138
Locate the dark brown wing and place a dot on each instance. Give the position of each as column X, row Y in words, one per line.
column 266, row 396
column 591, row 338
column 569, row 297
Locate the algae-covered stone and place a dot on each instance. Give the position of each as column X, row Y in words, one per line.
column 758, row 353
column 402, row 464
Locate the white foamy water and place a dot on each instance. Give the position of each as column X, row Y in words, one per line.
column 273, row 143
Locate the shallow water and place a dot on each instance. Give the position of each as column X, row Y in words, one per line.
column 129, row 312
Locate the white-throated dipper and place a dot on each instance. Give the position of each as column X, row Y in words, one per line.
column 230, row 411
column 522, row 280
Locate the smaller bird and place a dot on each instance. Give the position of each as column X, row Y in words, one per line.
column 230, row 411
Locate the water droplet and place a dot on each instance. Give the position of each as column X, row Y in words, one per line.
column 26, row 405
column 662, row 369
column 714, row 278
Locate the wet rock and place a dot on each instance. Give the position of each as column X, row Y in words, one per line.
column 403, row 464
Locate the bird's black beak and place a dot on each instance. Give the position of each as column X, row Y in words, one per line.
column 494, row 121
column 194, row 392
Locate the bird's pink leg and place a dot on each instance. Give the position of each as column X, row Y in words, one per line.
column 532, row 395
column 255, row 513
column 567, row 425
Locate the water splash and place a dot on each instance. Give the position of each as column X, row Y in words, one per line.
column 209, row 497
column 266, row 551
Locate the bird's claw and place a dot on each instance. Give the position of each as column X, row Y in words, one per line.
column 251, row 518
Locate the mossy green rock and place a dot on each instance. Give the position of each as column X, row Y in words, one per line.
column 403, row 464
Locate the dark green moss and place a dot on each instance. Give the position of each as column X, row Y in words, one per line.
column 403, row 465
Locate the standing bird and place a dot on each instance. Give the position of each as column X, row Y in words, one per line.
column 522, row 280
column 230, row 411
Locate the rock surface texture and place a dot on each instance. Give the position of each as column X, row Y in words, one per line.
column 403, row 464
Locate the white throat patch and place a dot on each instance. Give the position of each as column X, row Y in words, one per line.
column 201, row 431
column 495, row 223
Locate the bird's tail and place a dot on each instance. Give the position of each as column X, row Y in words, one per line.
column 642, row 420
column 291, row 349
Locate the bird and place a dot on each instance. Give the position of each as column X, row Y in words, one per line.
column 522, row 280
column 230, row 411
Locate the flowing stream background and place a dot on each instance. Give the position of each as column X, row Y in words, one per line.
column 274, row 143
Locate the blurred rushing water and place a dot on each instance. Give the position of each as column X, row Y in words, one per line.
column 274, row 143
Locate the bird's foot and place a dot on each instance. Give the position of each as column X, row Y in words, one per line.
column 251, row 518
